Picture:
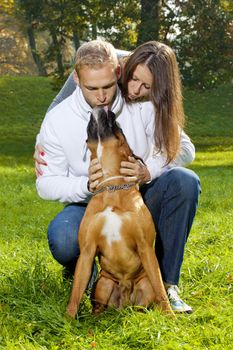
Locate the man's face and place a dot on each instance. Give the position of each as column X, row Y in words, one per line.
column 99, row 85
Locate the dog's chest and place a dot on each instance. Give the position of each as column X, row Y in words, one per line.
column 112, row 226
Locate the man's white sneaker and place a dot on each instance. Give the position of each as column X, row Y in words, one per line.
column 177, row 304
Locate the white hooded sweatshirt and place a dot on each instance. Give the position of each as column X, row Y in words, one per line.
column 63, row 137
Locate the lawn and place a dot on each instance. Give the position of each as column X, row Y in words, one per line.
column 33, row 295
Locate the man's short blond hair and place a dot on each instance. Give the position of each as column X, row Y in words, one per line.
column 95, row 54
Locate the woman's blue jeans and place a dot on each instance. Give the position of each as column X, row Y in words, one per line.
column 172, row 200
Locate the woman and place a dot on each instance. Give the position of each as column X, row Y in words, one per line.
column 151, row 72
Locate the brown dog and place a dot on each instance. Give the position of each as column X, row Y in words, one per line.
column 118, row 227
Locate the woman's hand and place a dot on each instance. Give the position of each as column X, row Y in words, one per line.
column 135, row 171
column 38, row 154
column 95, row 173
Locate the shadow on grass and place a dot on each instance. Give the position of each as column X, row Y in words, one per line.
column 204, row 167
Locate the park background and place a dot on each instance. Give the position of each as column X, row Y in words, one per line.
column 38, row 40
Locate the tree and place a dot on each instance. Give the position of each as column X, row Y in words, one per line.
column 116, row 21
column 199, row 31
column 203, row 43
column 149, row 26
column 31, row 11
column 68, row 21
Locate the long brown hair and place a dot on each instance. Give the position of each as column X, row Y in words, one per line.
column 165, row 94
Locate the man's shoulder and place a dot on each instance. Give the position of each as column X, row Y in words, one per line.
column 59, row 108
column 60, row 113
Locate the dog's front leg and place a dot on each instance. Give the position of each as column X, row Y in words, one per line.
column 151, row 267
column 82, row 276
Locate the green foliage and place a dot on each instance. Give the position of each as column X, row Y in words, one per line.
column 203, row 44
column 117, row 22
column 200, row 32
column 227, row 5
column 33, row 294
column 7, row 6
column 31, row 10
column 72, row 21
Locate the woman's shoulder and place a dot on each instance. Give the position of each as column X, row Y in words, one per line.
column 147, row 105
column 139, row 108
column 145, row 108
column 139, row 112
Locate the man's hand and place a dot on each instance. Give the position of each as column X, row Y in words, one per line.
column 38, row 154
column 95, row 173
column 135, row 171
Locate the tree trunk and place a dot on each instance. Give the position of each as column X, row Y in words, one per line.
column 32, row 42
column 58, row 54
column 149, row 26
column 76, row 40
column 94, row 31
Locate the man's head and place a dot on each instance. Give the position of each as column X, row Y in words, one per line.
column 97, row 71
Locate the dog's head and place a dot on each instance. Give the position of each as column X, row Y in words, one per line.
column 102, row 125
column 104, row 133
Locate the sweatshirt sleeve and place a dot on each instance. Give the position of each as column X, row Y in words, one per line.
column 156, row 161
column 187, row 151
column 67, row 90
column 56, row 183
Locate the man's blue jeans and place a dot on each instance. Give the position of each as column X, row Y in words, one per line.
column 172, row 200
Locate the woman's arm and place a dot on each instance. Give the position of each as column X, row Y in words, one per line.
column 67, row 89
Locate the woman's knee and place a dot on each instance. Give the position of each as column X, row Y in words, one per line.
column 187, row 181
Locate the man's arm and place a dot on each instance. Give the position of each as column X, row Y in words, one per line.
column 56, row 183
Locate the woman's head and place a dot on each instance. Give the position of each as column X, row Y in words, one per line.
column 152, row 71
column 157, row 67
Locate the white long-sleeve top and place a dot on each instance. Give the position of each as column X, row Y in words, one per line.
column 63, row 137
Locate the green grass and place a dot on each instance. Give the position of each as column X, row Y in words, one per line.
column 209, row 118
column 33, row 295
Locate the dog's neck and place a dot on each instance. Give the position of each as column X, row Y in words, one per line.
column 110, row 154
column 110, row 179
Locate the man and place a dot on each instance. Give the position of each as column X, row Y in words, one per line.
column 69, row 179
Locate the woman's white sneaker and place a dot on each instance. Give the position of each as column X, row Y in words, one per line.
column 177, row 304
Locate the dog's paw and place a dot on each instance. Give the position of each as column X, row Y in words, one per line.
column 71, row 311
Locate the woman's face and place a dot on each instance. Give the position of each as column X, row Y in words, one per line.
column 141, row 83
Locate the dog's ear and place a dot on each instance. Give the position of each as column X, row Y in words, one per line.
column 138, row 158
column 111, row 118
column 128, row 150
column 92, row 129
